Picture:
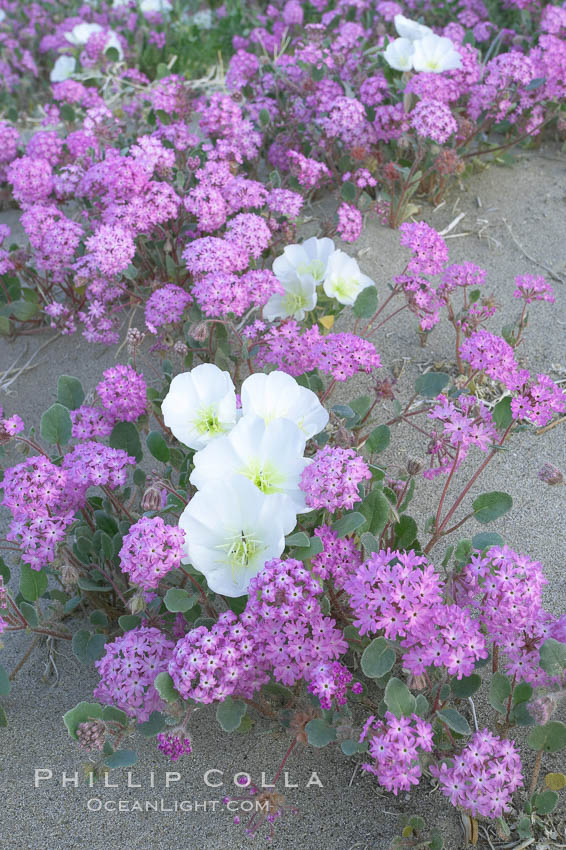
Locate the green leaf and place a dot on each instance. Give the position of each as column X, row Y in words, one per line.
column 5, row 684
column 121, row 758
column 237, row 604
column 350, row 747
column 99, row 618
column 378, row 658
column 486, row 539
column 405, row 532
column 21, row 310
column 553, row 657
column 4, row 571
column 431, row 384
column 490, row 506
column 230, row 713
column 502, row 415
column 545, row 803
column 298, row 539
column 499, row 692
column 365, row 304
column 320, row 733
column 129, row 621
column 369, row 542
column 106, row 522
column 79, row 714
column 379, row 439
column 30, row 614
column 398, row 698
column 70, row 392
column 455, row 721
column 125, row 436
column 466, row 686
column 157, row 446
column 56, row 425
column 88, row 647
column 88, row 584
column 178, row 600
column 551, row 737
column 33, row 583
column 153, row 726
column 348, row 192
column 111, row 714
column 163, row 684
column 376, row 509
column 348, row 523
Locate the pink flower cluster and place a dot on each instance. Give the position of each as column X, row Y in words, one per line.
column 128, row 670
column 401, row 595
column 396, row 744
column 150, row 550
column 173, row 746
column 505, row 588
column 466, row 423
column 209, row 665
column 483, row 777
column 294, row 639
column 533, row 288
column 221, row 294
column 165, row 306
column 339, row 559
column 295, row 350
column 332, row 480
column 123, row 393
column 331, row 683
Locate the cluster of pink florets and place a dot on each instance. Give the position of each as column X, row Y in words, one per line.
column 123, row 393
column 150, row 550
column 332, row 480
column 396, row 744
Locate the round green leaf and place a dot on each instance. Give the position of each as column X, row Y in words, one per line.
column 398, row 698
column 379, row 439
column 546, row 802
column 125, row 436
column 70, row 392
column 178, row 600
column 230, row 713
column 466, row 686
column 553, row 657
column 378, row 658
column 153, row 726
column 319, row 733
column 157, row 446
column 365, row 304
column 163, row 684
column 551, row 737
column 348, row 523
column 33, row 583
column 121, row 758
column 79, row 714
column 56, row 425
column 455, row 721
column 431, row 384
column 490, row 506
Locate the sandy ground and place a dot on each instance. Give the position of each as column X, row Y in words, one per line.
column 348, row 811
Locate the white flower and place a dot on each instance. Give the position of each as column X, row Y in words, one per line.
column 200, row 405
column 81, row 33
column 148, row 6
column 279, row 396
column 203, row 19
column 232, row 529
column 269, row 455
column 435, row 54
column 63, row 68
column 307, row 261
column 344, row 279
column 410, row 29
column 2, row 15
column 399, row 54
column 298, row 298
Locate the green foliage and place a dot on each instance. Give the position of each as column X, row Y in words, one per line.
column 455, row 721
column 431, row 384
column 157, row 446
column 398, row 698
column 378, row 439
column 348, row 523
column 153, row 726
column 320, row 733
column 377, row 659
column 551, row 738
column 56, row 425
column 125, row 436
column 165, row 688
column 121, row 758
column 70, row 392
column 33, row 583
column 490, row 506
column 177, row 600
column 365, row 304
column 80, row 714
column 553, row 657
column 230, row 713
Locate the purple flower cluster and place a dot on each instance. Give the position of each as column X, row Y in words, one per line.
column 209, row 665
column 483, row 776
column 173, row 746
column 150, row 550
column 128, row 670
column 123, row 393
column 339, row 559
column 294, row 350
column 221, row 294
column 466, row 423
column 332, row 480
column 432, row 119
column 294, row 639
column 349, row 223
column 396, row 744
column 531, row 288
column 165, row 306
column 428, row 248
column 331, row 683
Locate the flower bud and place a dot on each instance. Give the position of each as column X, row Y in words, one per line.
column 415, row 465
column 151, row 500
column 91, row 734
column 199, row 331
column 181, row 348
column 69, row 576
column 550, row 474
column 137, row 603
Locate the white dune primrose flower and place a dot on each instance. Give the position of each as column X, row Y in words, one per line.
column 344, row 279
column 278, row 396
column 306, row 261
column 232, row 529
column 399, row 54
column 200, row 405
column 410, row 29
column 268, row 455
column 151, row 6
column 63, row 68
column 81, row 33
column 435, row 54
column 298, row 297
